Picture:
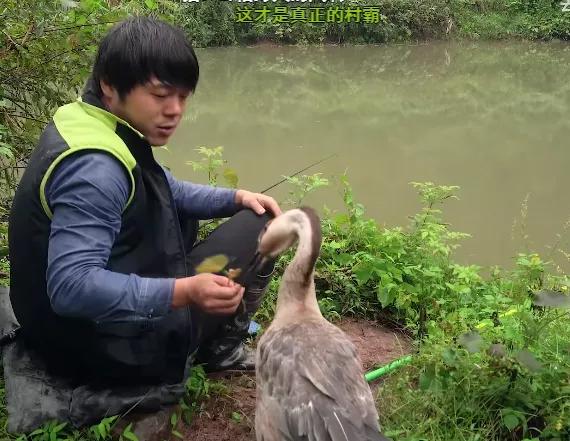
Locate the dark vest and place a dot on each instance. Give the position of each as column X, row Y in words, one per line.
column 152, row 243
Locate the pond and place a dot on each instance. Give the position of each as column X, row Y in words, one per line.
column 491, row 118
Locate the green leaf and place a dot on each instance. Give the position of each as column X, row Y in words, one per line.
column 427, row 377
column 343, row 258
column 231, row 177
column 150, row 4
column 173, row 419
column 236, row 416
column 59, row 427
column 510, row 421
column 362, row 273
column 425, row 381
column 449, row 356
column 5, row 151
column 130, row 436
column 385, row 295
column 484, row 323
column 177, row 434
column 101, row 429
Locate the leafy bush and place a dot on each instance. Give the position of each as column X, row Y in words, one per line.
column 508, row 383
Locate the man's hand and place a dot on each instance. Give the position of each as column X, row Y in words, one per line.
column 211, row 293
column 258, row 202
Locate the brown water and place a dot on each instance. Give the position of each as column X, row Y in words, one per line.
column 492, row 118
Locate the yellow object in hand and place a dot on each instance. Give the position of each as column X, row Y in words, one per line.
column 212, row 264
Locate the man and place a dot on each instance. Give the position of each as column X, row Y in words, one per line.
column 102, row 238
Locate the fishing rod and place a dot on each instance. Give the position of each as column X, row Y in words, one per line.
column 284, row 179
column 297, row 173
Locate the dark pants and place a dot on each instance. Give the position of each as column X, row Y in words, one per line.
column 159, row 350
column 216, row 337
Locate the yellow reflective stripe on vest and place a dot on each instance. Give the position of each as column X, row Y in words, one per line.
column 87, row 127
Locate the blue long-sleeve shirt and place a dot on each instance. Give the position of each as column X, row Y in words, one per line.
column 87, row 194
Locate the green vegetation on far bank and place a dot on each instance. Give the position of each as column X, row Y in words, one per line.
column 213, row 23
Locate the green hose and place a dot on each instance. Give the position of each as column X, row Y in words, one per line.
column 377, row 373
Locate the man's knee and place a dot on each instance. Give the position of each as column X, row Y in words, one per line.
column 252, row 220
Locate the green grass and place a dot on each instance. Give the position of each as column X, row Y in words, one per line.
column 4, row 272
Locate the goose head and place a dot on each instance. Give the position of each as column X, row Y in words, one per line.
column 281, row 233
column 278, row 235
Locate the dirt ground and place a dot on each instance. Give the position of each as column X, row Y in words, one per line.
column 230, row 417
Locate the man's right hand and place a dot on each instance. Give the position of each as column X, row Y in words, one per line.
column 211, row 293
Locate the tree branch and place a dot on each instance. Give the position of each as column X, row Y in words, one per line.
column 17, row 115
column 28, row 33
column 14, row 99
column 10, row 40
column 45, row 31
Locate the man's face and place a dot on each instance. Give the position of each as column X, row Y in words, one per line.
column 154, row 109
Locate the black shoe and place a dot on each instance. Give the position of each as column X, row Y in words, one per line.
column 241, row 359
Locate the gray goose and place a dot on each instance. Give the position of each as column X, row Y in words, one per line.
column 310, row 384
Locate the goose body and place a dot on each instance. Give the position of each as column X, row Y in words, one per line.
column 310, row 384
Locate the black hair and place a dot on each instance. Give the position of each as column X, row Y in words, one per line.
column 138, row 48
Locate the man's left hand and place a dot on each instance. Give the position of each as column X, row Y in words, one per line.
column 258, row 202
